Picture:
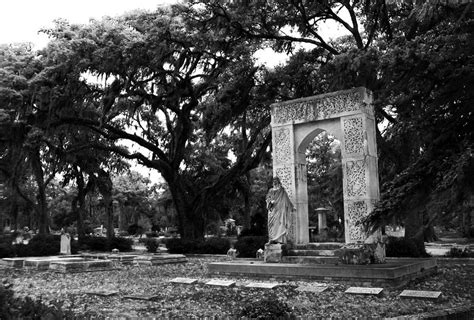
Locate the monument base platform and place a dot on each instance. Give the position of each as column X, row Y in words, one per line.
column 395, row 273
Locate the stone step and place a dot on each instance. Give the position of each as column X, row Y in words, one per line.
column 319, row 246
column 310, row 259
column 325, row 253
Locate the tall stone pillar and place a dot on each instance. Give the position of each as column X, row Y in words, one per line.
column 291, row 173
column 360, row 171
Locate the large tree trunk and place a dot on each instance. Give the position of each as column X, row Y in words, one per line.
column 41, row 206
column 79, row 205
column 190, row 219
column 414, row 229
column 105, row 188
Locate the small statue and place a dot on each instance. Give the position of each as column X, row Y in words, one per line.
column 260, row 253
column 231, row 254
column 279, row 207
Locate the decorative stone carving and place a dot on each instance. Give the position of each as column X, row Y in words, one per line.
column 317, row 108
column 356, row 211
column 356, row 182
column 286, row 178
column 282, row 145
column 353, row 135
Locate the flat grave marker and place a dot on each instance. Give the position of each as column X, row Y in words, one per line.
column 184, row 280
column 314, row 289
column 420, row 294
column 263, row 285
column 103, row 293
column 364, row 290
column 140, row 297
column 221, row 283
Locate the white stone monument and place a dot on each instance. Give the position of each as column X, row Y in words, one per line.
column 349, row 116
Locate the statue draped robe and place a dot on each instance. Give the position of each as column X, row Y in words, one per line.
column 279, row 208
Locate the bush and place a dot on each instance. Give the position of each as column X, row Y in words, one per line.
column 151, row 244
column 402, row 247
column 7, row 250
column 267, row 308
column 44, row 245
column 135, row 229
column 460, row 253
column 209, row 246
column 12, row 307
column 247, row 246
column 100, row 244
column 215, row 246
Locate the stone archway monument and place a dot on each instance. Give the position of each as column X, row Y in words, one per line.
column 349, row 116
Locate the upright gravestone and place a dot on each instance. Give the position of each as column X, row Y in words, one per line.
column 65, row 243
column 349, row 116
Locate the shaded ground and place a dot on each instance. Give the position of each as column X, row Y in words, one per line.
column 455, row 281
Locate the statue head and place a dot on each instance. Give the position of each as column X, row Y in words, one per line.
column 276, row 182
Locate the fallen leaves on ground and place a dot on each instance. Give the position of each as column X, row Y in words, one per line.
column 171, row 300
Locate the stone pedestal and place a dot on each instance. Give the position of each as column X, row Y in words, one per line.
column 273, row 252
column 321, row 222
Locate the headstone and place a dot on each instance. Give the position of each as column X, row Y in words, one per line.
column 420, row 294
column 314, row 289
column 221, row 283
column 184, row 280
column 141, row 297
column 273, row 252
column 65, row 243
column 363, row 290
column 103, row 293
column 263, row 285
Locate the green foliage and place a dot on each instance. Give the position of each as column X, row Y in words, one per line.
column 151, row 244
column 268, row 308
column 135, row 229
column 402, row 247
column 247, row 246
column 101, row 244
column 460, row 253
column 7, row 250
column 12, row 307
column 208, row 246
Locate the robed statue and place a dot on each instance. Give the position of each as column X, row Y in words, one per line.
column 279, row 208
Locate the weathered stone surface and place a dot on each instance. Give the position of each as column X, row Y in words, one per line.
column 221, row 283
column 273, row 253
column 103, row 293
column 313, row 289
column 363, row 290
column 419, row 294
column 263, row 285
column 141, row 297
column 157, row 259
column 184, row 280
column 13, row 262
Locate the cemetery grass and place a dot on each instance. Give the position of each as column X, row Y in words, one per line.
column 170, row 300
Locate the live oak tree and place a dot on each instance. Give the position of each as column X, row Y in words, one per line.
column 156, row 79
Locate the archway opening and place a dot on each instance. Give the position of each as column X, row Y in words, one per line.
column 324, row 188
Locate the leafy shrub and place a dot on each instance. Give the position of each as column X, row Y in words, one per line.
column 135, row 229
column 209, row 246
column 151, row 234
column 101, row 244
column 460, row 253
column 215, row 246
column 7, row 250
column 267, row 308
column 247, row 246
column 12, row 307
column 151, row 244
column 44, row 245
column 402, row 247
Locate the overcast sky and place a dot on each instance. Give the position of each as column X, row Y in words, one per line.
column 20, row 20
